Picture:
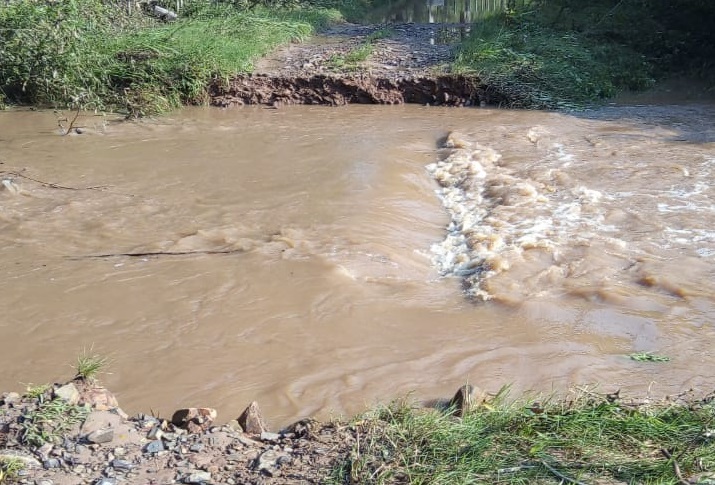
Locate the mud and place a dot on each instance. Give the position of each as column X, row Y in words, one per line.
column 405, row 63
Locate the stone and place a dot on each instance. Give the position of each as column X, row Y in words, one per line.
column 154, row 446
column 118, row 464
column 99, row 398
column 251, row 420
column 28, row 461
column 43, row 452
column 269, row 462
column 10, row 398
column 106, row 481
column 198, row 477
column 99, row 436
column 155, row 434
column 268, row 436
column 43, row 481
column 194, row 420
column 234, row 426
column 51, row 463
column 68, row 393
column 466, row 398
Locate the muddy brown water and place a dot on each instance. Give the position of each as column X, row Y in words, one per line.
column 331, row 295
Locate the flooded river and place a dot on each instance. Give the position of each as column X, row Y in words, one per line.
column 320, row 259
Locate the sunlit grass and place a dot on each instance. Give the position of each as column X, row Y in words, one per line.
column 583, row 439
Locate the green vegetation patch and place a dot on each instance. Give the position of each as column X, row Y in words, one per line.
column 90, row 54
column 587, row 439
column 649, row 357
column 361, row 53
column 10, row 469
column 531, row 65
column 51, row 420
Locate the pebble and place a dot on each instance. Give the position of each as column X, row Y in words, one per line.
column 122, row 464
column 154, row 447
column 101, row 436
column 268, row 436
column 196, row 447
column 44, row 481
column 51, row 463
column 106, row 481
column 198, row 477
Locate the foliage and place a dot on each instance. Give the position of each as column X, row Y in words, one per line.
column 89, row 365
column 37, row 391
column 84, row 54
column 50, row 420
column 535, row 66
column 10, row 468
column 585, row 439
column 648, row 357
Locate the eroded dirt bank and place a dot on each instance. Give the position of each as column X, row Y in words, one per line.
column 392, row 64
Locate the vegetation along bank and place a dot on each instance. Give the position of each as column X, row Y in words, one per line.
column 76, row 433
column 101, row 55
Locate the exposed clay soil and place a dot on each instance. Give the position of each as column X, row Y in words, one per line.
column 409, row 65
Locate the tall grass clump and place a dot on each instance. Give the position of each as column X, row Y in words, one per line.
column 89, row 54
column 529, row 64
column 583, row 440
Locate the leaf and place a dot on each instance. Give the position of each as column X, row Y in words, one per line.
column 649, row 357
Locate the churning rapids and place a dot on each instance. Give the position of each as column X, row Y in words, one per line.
column 318, row 260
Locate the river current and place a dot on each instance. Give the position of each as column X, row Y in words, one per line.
column 318, row 260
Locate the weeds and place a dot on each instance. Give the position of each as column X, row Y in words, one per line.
column 583, row 439
column 50, row 421
column 10, row 469
column 359, row 54
column 37, row 391
column 648, row 357
column 86, row 54
column 89, row 365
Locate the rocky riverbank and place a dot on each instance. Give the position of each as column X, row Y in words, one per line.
column 370, row 64
column 76, row 433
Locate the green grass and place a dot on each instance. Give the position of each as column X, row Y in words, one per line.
column 10, row 468
column 50, row 420
column 648, row 357
column 527, row 64
column 83, row 54
column 37, row 391
column 89, row 365
column 361, row 53
column 585, row 439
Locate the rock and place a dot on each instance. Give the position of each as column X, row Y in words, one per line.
column 106, row 481
column 155, row 434
column 43, row 452
column 43, row 481
column 251, row 420
column 198, row 477
column 234, row 426
column 268, row 436
column 51, row 463
column 104, row 435
column 466, row 398
column 10, row 398
column 270, row 462
column 195, row 420
column 99, row 398
column 28, row 461
column 68, row 393
column 154, row 446
column 122, row 464
column 457, row 140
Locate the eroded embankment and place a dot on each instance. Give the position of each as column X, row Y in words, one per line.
column 364, row 64
column 338, row 91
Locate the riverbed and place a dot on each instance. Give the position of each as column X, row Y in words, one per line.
column 308, row 257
